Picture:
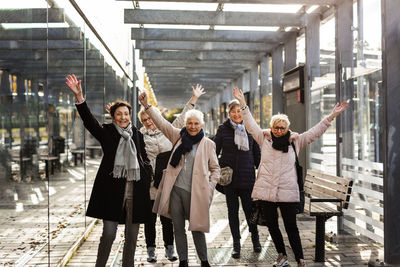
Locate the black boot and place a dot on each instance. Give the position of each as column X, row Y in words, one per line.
column 205, row 264
column 256, row 243
column 236, row 249
column 183, row 263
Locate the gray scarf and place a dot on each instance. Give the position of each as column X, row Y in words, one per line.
column 126, row 163
column 241, row 138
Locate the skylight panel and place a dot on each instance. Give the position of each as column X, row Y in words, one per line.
column 262, row 8
column 178, row 6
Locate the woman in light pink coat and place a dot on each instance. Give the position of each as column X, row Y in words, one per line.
column 187, row 186
column 276, row 183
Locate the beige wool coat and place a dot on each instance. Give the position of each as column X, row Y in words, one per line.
column 206, row 172
column 156, row 143
column 277, row 178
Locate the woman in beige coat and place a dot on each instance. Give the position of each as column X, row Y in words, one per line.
column 276, row 183
column 187, row 187
column 157, row 143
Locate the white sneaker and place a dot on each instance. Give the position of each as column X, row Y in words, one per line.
column 281, row 261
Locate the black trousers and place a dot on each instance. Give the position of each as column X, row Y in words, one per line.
column 288, row 212
column 150, row 230
column 232, row 200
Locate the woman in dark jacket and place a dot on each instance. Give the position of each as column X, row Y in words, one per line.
column 120, row 192
column 242, row 154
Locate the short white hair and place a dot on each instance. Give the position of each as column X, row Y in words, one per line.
column 194, row 113
column 278, row 118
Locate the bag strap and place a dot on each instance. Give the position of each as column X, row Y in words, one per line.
column 300, row 183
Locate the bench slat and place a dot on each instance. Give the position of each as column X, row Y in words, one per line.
column 333, row 178
column 324, row 191
column 319, row 181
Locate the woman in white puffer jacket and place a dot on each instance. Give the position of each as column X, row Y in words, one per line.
column 276, row 183
column 157, row 143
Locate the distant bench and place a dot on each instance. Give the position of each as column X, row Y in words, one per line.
column 77, row 154
column 325, row 196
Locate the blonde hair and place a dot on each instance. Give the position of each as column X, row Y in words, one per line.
column 278, row 118
column 143, row 111
column 193, row 113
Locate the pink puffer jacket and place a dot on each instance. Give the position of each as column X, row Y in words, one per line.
column 277, row 179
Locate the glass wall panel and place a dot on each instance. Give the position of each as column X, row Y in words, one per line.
column 48, row 161
column 24, row 187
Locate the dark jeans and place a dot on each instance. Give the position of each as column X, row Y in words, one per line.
column 288, row 212
column 232, row 200
column 167, row 229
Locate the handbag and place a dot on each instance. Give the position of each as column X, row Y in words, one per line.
column 257, row 215
column 226, row 176
column 299, row 171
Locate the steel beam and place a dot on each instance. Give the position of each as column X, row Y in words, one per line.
column 39, row 44
column 32, row 15
column 73, row 33
column 199, row 56
column 194, row 64
column 204, row 46
column 143, row 16
column 210, row 35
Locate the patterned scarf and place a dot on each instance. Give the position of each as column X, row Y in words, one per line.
column 241, row 138
column 187, row 143
column 126, row 163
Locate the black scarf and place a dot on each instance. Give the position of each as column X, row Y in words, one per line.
column 187, row 143
column 281, row 143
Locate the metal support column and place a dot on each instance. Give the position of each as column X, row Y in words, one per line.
column 277, row 71
column 264, row 92
column 391, row 100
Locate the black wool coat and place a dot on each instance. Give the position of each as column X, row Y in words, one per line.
column 107, row 198
column 242, row 162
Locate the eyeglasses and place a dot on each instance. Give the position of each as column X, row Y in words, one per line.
column 279, row 128
column 145, row 120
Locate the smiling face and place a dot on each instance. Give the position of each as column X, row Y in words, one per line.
column 280, row 128
column 147, row 122
column 235, row 115
column 193, row 126
column 122, row 117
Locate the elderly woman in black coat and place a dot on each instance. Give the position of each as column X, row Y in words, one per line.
column 242, row 154
column 120, row 192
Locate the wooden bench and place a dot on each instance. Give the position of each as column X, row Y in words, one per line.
column 325, row 196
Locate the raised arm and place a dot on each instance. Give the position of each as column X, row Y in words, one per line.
column 251, row 125
column 179, row 122
column 315, row 132
column 89, row 121
column 172, row 133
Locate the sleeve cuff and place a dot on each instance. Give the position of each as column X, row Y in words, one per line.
column 78, row 103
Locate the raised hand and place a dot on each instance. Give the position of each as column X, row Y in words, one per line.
column 339, row 108
column 75, row 86
column 238, row 94
column 108, row 107
column 196, row 93
column 143, row 99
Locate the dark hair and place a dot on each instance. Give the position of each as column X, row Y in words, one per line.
column 117, row 104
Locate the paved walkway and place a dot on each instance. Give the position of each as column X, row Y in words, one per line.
column 24, row 231
column 346, row 250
